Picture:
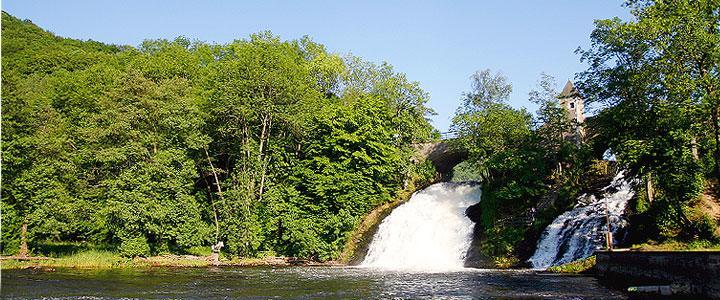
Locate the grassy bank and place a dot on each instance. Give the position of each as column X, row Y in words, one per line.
column 94, row 259
column 701, row 245
column 575, row 267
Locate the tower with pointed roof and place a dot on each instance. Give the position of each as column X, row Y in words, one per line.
column 574, row 104
column 572, row 101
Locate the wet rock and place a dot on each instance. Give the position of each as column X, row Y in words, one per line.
column 474, row 212
column 474, row 258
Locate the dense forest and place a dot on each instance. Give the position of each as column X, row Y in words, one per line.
column 273, row 147
column 653, row 82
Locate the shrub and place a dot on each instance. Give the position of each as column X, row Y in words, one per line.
column 578, row 266
column 135, row 246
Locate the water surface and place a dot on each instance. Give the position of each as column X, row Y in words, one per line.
column 297, row 283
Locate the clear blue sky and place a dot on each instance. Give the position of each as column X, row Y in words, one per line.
column 439, row 44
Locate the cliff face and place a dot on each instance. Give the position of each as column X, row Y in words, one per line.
column 475, row 258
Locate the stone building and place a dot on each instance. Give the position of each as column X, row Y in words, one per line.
column 575, row 105
column 571, row 100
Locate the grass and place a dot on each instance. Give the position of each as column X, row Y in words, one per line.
column 101, row 259
column 199, row 251
column 84, row 259
column 574, row 267
column 92, row 258
column 701, row 245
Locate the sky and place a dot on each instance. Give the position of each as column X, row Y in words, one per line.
column 436, row 43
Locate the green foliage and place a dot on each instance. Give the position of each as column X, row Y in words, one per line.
column 134, row 246
column 578, row 266
column 657, row 77
column 520, row 159
column 485, row 123
column 466, row 171
column 601, row 168
column 270, row 146
column 423, row 173
column 11, row 223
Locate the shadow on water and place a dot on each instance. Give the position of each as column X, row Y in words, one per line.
column 297, row 283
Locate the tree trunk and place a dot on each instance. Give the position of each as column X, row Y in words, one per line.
column 262, row 137
column 560, row 169
column 217, row 181
column 649, row 188
column 694, row 149
column 264, row 160
column 215, row 214
column 23, row 240
column 716, row 132
column 246, row 142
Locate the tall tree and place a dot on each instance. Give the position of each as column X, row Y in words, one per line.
column 486, row 124
column 658, row 75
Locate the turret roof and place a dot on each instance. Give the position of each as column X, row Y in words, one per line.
column 569, row 90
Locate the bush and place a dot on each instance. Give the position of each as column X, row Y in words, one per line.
column 135, row 246
column 703, row 227
column 578, row 266
column 601, row 168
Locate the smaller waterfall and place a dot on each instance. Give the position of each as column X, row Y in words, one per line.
column 428, row 233
column 577, row 233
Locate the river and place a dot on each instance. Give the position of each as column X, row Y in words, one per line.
column 296, row 283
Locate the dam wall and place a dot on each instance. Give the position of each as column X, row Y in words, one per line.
column 688, row 273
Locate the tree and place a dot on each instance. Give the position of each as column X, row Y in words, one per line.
column 485, row 123
column 274, row 147
column 555, row 130
column 658, row 76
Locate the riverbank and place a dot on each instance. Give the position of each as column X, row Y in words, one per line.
column 110, row 260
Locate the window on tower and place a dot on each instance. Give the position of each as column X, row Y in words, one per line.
column 572, row 104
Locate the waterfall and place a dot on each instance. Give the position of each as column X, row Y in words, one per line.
column 428, row 233
column 578, row 232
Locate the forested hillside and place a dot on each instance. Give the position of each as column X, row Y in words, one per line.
column 274, row 147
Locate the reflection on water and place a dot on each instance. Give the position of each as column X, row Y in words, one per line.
column 296, row 283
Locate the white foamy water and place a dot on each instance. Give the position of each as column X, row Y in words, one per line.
column 577, row 233
column 428, row 233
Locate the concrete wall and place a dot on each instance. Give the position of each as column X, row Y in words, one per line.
column 688, row 273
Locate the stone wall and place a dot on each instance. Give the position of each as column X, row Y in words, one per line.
column 442, row 156
column 694, row 273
